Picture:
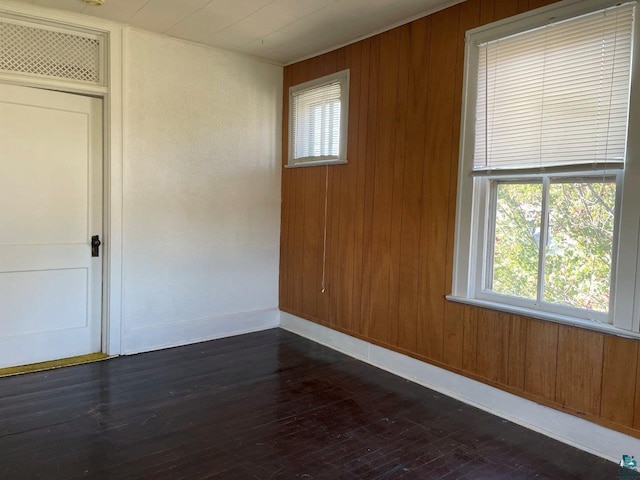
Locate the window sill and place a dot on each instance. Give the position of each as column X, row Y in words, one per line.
column 552, row 317
column 318, row 163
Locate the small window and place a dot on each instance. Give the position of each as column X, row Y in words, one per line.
column 318, row 118
column 547, row 222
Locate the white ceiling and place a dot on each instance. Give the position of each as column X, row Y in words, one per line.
column 277, row 30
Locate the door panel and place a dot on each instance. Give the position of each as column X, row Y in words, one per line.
column 32, row 296
column 48, row 186
column 50, row 206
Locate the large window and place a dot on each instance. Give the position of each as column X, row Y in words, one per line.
column 318, row 119
column 547, row 220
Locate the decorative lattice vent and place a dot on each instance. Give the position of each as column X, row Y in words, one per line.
column 49, row 53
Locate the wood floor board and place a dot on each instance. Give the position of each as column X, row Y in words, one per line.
column 264, row 405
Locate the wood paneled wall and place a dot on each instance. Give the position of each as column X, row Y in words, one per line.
column 386, row 264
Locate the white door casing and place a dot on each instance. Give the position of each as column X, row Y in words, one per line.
column 51, row 196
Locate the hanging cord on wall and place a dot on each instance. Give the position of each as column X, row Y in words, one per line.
column 324, row 242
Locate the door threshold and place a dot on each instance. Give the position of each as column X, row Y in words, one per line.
column 52, row 364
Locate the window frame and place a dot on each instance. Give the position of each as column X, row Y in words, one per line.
column 343, row 77
column 485, row 264
column 473, row 200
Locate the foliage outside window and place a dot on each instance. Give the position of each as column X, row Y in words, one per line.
column 571, row 246
column 544, row 223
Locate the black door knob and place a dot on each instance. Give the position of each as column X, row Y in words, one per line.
column 95, row 246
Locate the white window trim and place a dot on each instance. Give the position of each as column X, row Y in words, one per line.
column 625, row 303
column 344, row 78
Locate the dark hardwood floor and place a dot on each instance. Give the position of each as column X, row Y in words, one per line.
column 261, row 406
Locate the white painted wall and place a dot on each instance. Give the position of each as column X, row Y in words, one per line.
column 201, row 193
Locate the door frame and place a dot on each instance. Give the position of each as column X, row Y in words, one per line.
column 112, row 100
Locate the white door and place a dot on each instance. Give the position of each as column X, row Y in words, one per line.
column 50, row 207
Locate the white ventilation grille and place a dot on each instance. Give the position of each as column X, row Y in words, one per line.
column 50, row 53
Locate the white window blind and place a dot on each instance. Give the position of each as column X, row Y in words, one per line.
column 316, row 116
column 556, row 96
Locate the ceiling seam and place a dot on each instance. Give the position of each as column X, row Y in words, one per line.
column 188, row 15
column 235, row 23
column 138, row 11
column 289, row 24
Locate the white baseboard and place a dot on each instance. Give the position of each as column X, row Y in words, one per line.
column 201, row 330
column 585, row 435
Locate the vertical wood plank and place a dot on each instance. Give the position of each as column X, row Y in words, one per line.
column 327, row 273
column 412, row 198
column 579, row 378
column 636, row 410
column 454, row 334
column 295, row 240
column 505, row 9
column 541, row 359
column 517, row 351
column 383, row 189
column 619, row 376
column 523, row 6
column 487, row 11
column 361, row 191
column 343, row 290
column 470, row 340
column 297, row 266
column 328, row 239
column 493, row 346
column 372, row 133
column 435, row 192
column 398, row 183
column 327, row 242
column 312, row 225
column 287, row 205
